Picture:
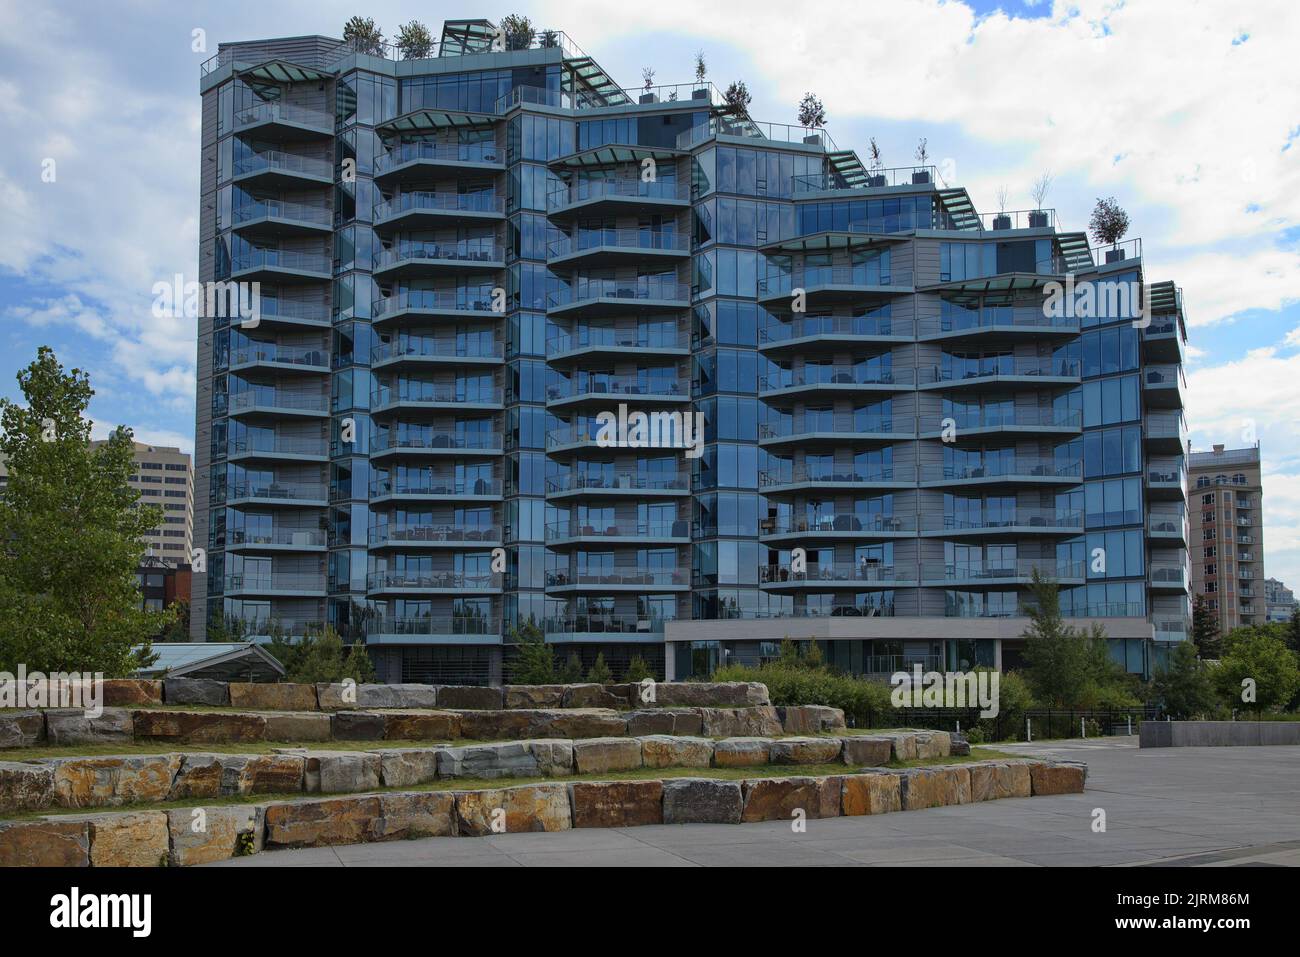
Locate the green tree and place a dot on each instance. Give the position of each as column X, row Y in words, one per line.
column 572, row 673
column 518, row 30
column 1064, row 666
column 637, row 670
column 1205, row 629
column 1264, row 660
column 1292, row 637
column 321, row 657
column 179, row 629
column 72, row 528
column 364, row 35
column 600, row 673
column 414, row 41
column 534, row 662
column 1183, row 685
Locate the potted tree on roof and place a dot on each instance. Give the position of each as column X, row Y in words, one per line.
column 364, row 36
column 1038, row 215
column 701, row 91
column 876, row 174
column 1108, row 225
column 812, row 116
column 518, row 30
column 648, row 86
column 1002, row 220
column 738, row 98
column 922, row 154
column 414, row 41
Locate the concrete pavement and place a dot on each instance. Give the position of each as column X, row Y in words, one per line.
column 1218, row 807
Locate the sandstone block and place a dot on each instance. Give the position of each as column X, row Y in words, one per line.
column 273, row 696
column 199, row 727
column 298, row 726
column 532, row 807
column 126, row 692
column 196, row 691
column 870, row 794
column 867, row 751
column 404, row 768
column 421, row 725
column 114, row 780
column 320, row 823
column 702, row 801
column 616, row 803
column 26, row 786
column 50, row 843
column 469, row 696
column 219, row 834
column 21, row 729
column 806, row 751
column 664, row 751
column 810, row 719
column 742, row 752
column 64, row 726
column 603, row 755
column 340, row 772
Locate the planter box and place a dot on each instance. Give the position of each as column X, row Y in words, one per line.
column 813, row 139
column 876, row 180
column 1001, row 222
column 649, row 98
column 702, row 94
column 1115, row 255
column 923, row 177
column 1038, row 220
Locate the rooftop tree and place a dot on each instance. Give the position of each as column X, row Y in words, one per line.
column 701, row 67
column 415, row 41
column 518, row 31
column 364, row 35
column 1108, row 222
column 738, row 98
column 811, row 112
column 73, row 532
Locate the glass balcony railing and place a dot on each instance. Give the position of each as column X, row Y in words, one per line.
column 1167, row 524
column 832, row 476
column 1010, row 518
column 580, row 529
column 842, row 522
column 1019, row 568
column 864, row 573
column 1169, row 574
column 864, row 326
column 848, row 425
column 390, row 159
column 282, row 259
column 1019, row 219
column 1019, row 467
column 466, row 251
column 1166, row 472
column 451, row 441
column 433, row 534
column 834, row 276
column 667, row 290
column 472, row 348
column 639, row 578
column 616, row 385
column 442, row 300
column 995, row 318
column 279, row 161
column 603, row 625
column 245, row 401
column 276, row 581
column 994, row 366
column 607, row 338
column 594, row 189
column 619, row 481
column 289, row 537
column 483, row 202
column 427, row 579
column 276, row 209
column 280, row 355
column 297, row 491
column 271, row 307
column 285, row 113
column 428, row 625
column 277, row 446
column 434, row 486
column 431, row 393
column 997, row 418
column 628, row 239
column 876, row 177
column 746, row 128
column 816, row 375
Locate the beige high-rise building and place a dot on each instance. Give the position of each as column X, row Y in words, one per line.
column 164, row 476
column 1227, row 547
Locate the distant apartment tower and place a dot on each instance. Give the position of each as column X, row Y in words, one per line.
column 1279, row 601
column 1227, row 546
column 164, row 476
column 465, row 260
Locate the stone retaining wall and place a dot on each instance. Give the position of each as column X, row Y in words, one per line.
column 151, row 838
column 113, row 781
column 1202, row 734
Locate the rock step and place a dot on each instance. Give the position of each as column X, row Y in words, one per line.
column 116, row 780
column 199, row 835
column 67, row 727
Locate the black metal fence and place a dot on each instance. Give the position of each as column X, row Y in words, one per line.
column 1037, row 724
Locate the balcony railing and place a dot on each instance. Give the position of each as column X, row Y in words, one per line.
column 634, row 289
column 1019, row 219
column 864, row 326
column 642, row 578
column 744, row 127
column 283, row 162
column 592, row 189
column 278, row 446
column 832, row 476
column 836, row 424
column 649, row 240
column 443, row 152
column 274, row 308
column 286, row 113
column 996, row 318
column 842, row 523
column 292, row 537
column 874, row 275
column 483, row 202
column 1168, row 574
column 1163, row 375
column 1022, row 467
column 424, row 625
column 1010, row 518
column 620, row 481
column 467, row 250
column 276, row 581
column 282, row 259
column 607, row 338
column 276, row 209
column 433, row 534
column 1001, row 366
column 447, row 300
column 242, row 401
column 579, row 529
column 995, row 418
column 815, row 375
column 1172, row 524
column 466, row 441
column 604, row 625
column 1018, row 568
column 434, row 486
column 281, row 355
column 430, row 393
column 857, row 572
column 615, row 385
column 301, row 491
column 876, row 178
column 473, row 348
column 432, row 579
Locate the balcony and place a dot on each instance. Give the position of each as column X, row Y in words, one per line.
column 434, row 536
column 792, row 480
column 309, row 494
column 598, row 387
column 429, row 396
column 413, row 352
column 573, row 438
column 1000, row 373
column 806, row 334
column 1166, row 479
column 575, row 532
column 1016, row 421
column 386, row 443
column 276, row 169
column 1021, row 470
column 613, row 297
column 858, row 575
column 836, row 430
column 603, row 628
column 877, row 177
column 275, row 540
column 1168, row 629
column 624, row 580
column 1016, row 522
column 830, row 284
column 274, row 403
column 1165, row 432
column 604, row 342
column 617, row 197
column 275, row 313
column 283, row 121
column 843, row 526
column 413, row 162
column 618, row 485
column 1163, row 386
column 828, row 381
column 595, row 248
column 277, row 358
column 284, row 449
column 434, row 303
column 407, row 259
column 281, row 266
column 423, row 209
column 1004, row 322
column 435, row 487
column 272, row 217
column 284, row 584
column 432, row 583
column 1164, row 340
column 996, row 573
column 1167, row 528
column 427, row 630
column 1167, row 576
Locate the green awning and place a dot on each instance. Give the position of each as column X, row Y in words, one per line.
column 612, row 154
column 427, row 121
column 1007, row 282
column 832, row 239
column 282, row 71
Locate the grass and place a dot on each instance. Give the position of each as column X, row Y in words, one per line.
column 480, row 784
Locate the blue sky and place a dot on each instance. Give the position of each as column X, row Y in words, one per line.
column 1187, row 114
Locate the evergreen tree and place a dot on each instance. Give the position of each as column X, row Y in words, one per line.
column 1062, row 663
column 72, row 528
column 637, row 670
column 572, row 673
column 534, row 662
column 1183, row 685
column 600, row 673
column 1206, row 636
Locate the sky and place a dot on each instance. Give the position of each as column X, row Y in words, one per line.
column 1188, row 113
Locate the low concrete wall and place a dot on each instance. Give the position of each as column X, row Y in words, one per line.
column 1216, row 734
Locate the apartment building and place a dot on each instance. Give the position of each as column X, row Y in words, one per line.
column 471, row 264
column 1279, row 601
column 1228, row 534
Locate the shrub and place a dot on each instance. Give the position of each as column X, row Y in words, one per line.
column 637, row 670
column 862, row 700
column 600, row 673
